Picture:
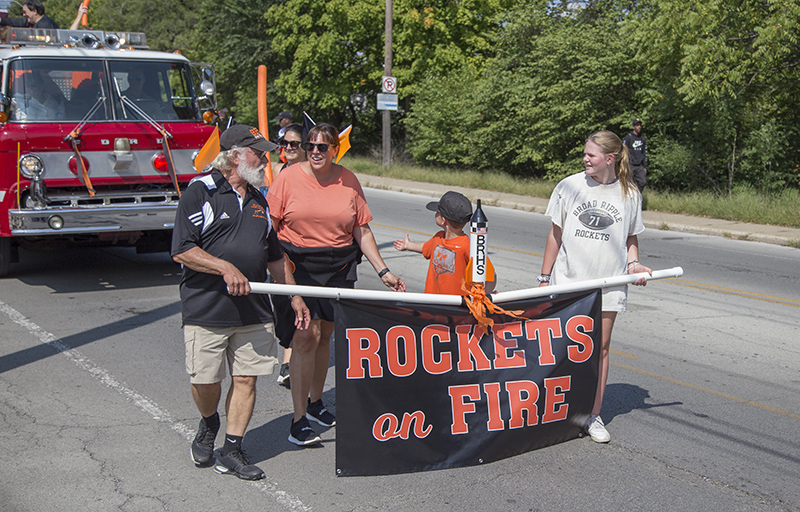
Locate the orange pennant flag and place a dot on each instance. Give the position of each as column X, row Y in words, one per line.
column 208, row 152
column 344, row 142
column 263, row 118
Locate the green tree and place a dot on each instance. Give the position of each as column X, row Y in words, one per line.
column 443, row 36
column 561, row 73
column 331, row 52
column 232, row 35
column 168, row 25
column 326, row 51
column 734, row 62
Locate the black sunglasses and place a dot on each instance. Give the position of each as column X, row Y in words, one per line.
column 322, row 147
column 294, row 144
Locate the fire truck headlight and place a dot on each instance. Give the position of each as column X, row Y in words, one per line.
column 207, row 88
column 31, row 166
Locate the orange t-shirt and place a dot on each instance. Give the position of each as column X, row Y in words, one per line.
column 310, row 213
column 449, row 259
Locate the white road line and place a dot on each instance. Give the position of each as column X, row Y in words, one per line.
column 150, row 407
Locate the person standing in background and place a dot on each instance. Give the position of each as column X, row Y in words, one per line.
column 637, row 147
column 284, row 119
column 290, row 142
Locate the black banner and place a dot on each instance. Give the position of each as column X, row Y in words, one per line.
column 418, row 388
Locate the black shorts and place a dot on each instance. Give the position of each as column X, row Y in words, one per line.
column 319, row 308
column 322, row 309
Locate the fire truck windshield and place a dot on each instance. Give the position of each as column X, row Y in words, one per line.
column 63, row 90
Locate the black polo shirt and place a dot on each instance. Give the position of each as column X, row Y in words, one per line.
column 211, row 217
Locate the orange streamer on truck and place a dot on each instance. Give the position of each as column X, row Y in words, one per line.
column 263, row 119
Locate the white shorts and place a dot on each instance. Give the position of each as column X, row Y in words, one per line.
column 615, row 298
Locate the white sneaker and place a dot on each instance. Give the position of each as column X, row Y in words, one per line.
column 597, row 430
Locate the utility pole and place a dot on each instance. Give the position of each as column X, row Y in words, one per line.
column 387, row 71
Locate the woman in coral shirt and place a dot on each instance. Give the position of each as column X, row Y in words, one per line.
column 322, row 220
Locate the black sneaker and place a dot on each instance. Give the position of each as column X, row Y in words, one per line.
column 202, row 450
column 302, row 434
column 320, row 414
column 283, row 376
column 236, row 463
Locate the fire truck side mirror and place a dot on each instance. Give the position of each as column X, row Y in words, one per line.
column 5, row 102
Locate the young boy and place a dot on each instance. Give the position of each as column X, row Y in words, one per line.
column 448, row 250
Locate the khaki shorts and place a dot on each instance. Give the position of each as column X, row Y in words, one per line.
column 247, row 351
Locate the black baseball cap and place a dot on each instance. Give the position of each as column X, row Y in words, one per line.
column 283, row 115
column 636, row 121
column 453, row 206
column 243, row 136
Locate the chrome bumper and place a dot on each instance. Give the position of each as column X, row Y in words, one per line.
column 100, row 219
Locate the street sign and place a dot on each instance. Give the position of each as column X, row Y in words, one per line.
column 389, row 84
column 387, row 102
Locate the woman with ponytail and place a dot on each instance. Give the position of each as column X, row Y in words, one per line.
column 597, row 215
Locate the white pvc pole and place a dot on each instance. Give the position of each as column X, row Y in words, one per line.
column 349, row 293
column 579, row 286
column 455, row 300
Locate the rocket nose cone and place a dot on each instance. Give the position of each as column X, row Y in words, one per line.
column 478, row 216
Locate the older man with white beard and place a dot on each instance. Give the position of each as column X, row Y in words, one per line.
column 224, row 239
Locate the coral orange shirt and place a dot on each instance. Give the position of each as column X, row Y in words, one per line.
column 449, row 258
column 311, row 213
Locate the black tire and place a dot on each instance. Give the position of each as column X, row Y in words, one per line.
column 5, row 255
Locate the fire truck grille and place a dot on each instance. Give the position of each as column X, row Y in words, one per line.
column 100, row 199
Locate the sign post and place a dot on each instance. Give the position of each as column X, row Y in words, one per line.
column 387, row 70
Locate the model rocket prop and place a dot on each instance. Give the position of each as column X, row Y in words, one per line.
column 479, row 268
column 479, row 271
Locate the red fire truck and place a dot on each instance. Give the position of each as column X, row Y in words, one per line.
column 98, row 136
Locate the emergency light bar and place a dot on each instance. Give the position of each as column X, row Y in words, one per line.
column 76, row 38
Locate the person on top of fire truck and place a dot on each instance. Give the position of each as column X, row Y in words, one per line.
column 83, row 9
column 33, row 10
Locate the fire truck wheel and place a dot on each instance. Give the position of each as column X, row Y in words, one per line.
column 5, row 255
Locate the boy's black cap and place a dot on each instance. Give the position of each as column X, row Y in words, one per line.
column 243, row 136
column 636, row 121
column 283, row 115
column 453, row 206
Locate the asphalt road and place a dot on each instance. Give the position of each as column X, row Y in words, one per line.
column 703, row 401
